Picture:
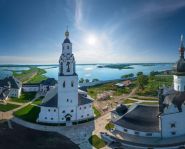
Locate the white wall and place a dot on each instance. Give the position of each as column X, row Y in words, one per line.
column 68, row 95
column 85, row 112
column 55, row 115
column 178, row 119
column 30, row 88
column 179, row 83
column 132, row 132
column 48, row 114
column 15, row 93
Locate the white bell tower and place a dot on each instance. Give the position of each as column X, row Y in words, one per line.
column 67, row 77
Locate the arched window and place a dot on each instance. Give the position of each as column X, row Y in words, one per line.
column 68, row 64
column 64, row 84
column 72, row 83
column 67, row 100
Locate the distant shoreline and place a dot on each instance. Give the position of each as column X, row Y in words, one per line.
column 38, row 65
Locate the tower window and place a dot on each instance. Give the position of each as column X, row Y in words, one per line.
column 68, row 64
column 67, row 100
column 67, row 47
column 172, row 125
column 173, row 133
column 72, row 110
column 136, row 133
column 72, row 83
column 63, row 111
column 64, row 84
column 148, row 134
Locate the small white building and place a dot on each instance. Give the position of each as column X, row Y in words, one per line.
column 161, row 122
column 30, row 87
column 47, row 84
column 10, row 87
column 65, row 103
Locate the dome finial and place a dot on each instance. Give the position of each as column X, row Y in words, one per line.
column 67, row 33
column 181, row 49
column 181, row 37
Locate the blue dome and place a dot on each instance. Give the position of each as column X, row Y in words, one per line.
column 66, row 40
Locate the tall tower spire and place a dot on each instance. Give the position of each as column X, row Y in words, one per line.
column 67, row 33
column 181, row 49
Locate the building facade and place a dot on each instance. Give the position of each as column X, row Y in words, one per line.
column 10, row 87
column 66, row 103
column 160, row 122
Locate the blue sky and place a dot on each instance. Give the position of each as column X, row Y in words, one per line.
column 102, row 31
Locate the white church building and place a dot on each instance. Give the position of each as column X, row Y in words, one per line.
column 66, row 103
column 151, row 125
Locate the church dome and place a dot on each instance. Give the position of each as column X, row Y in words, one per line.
column 66, row 40
column 180, row 66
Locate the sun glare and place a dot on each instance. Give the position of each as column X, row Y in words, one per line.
column 91, row 39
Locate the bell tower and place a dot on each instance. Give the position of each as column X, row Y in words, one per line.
column 67, row 77
column 66, row 61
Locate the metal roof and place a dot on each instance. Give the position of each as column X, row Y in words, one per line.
column 142, row 118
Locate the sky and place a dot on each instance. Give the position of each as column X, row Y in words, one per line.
column 101, row 31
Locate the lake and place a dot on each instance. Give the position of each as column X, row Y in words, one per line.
column 91, row 71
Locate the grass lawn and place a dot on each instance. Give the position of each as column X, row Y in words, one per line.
column 153, row 85
column 25, row 97
column 128, row 101
column 96, row 112
column 149, row 98
column 109, row 126
column 96, row 142
column 150, row 103
column 36, row 75
column 29, row 113
column 7, row 107
column 98, row 89
column 38, row 101
column 37, row 79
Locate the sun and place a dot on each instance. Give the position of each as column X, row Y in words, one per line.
column 91, row 39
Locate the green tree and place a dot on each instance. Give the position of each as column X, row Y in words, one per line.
column 139, row 73
column 142, row 80
column 130, row 75
column 86, row 80
column 81, row 80
column 95, row 80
